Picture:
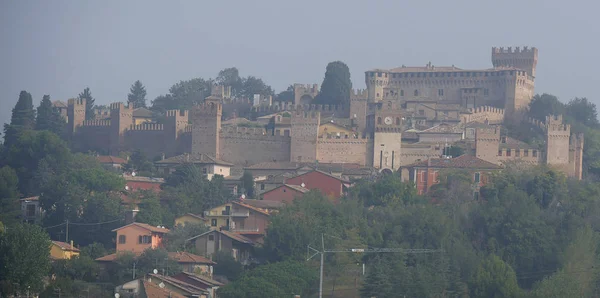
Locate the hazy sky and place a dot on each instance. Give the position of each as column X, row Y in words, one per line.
column 59, row 47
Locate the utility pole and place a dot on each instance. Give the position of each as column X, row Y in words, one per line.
column 323, row 251
column 134, row 270
column 67, row 238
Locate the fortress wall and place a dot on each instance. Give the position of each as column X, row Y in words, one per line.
column 531, row 158
column 413, row 153
column 183, row 145
column 247, row 146
column 484, row 114
column 151, row 141
column 343, row 150
column 325, row 110
column 93, row 137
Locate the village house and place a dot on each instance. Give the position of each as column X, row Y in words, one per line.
column 134, row 183
column 111, row 161
column 63, row 251
column 31, row 211
column 425, row 174
column 208, row 165
column 285, row 193
column 327, row 184
column 214, row 241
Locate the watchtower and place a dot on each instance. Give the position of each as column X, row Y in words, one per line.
column 206, row 126
column 304, row 94
column 304, row 134
column 121, row 119
column 175, row 123
column 557, row 141
column 487, row 143
column 75, row 113
column 576, row 155
column 522, row 58
column 387, row 135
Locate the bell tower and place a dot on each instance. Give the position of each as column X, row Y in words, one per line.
column 386, row 123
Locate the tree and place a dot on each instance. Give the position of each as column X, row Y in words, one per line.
column 151, row 212
column 494, row 278
column 287, row 95
column 89, row 102
column 23, row 119
column 176, row 239
column 230, row 77
column 183, row 95
column 48, row 118
column 9, row 194
column 25, row 259
column 137, row 95
column 378, row 282
column 227, row 266
column 545, row 105
column 248, row 183
column 253, row 85
column 583, row 111
column 336, row 85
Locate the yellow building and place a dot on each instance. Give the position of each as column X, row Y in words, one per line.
column 330, row 130
column 63, row 251
column 189, row 218
column 141, row 115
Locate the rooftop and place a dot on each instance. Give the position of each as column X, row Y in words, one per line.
column 142, row 113
column 231, row 235
column 186, row 257
column 443, row 128
column 154, row 291
column 510, row 143
column 264, row 204
column 145, row 226
column 59, row 104
column 107, row 159
column 461, row 162
column 65, row 246
column 193, row 158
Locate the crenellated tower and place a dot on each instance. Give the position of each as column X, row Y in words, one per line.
column 175, row 124
column 75, row 114
column 487, row 142
column 557, row 143
column 305, row 94
column 121, row 119
column 522, row 58
column 386, row 124
column 376, row 81
column 576, row 156
column 358, row 109
column 206, row 126
column 304, row 134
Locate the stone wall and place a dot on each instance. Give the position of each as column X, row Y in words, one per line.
column 343, row 150
column 248, row 146
column 148, row 138
column 484, row 114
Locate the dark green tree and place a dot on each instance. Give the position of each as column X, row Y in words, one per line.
column 248, row 184
column 151, row 212
column 583, row 111
column 378, row 282
column 253, row 85
column 25, row 259
column 336, row 85
column 230, row 77
column 22, row 119
column 89, row 102
column 227, row 266
column 9, row 196
column 176, row 239
column 287, row 95
column 137, row 95
column 183, row 95
column 494, row 278
column 48, row 118
column 544, row 105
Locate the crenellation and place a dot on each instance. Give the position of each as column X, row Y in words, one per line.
column 96, row 123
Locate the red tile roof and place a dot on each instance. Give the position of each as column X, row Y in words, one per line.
column 65, row 246
column 231, row 235
column 262, row 211
column 186, row 257
column 110, row 159
column 154, row 291
column 145, row 226
column 461, row 162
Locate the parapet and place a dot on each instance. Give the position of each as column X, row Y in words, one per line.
column 210, row 109
column 555, row 123
column 96, row 123
column 536, row 122
column 147, row 126
column 359, row 94
column 120, row 106
column 76, row 101
column 516, row 50
column 175, row 113
column 306, row 88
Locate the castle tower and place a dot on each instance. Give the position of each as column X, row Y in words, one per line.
column 557, row 143
column 387, row 136
column 304, row 94
column 358, row 109
column 175, row 122
column 576, row 156
column 75, row 114
column 525, row 58
column 487, row 143
column 121, row 119
column 376, row 81
column 304, row 134
column 206, row 126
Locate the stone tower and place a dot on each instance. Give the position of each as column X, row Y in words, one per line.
column 387, row 136
column 304, row 94
column 358, row 109
column 576, row 156
column 376, row 81
column 175, row 123
column 121, row 119
column 525, row 58
column 206, row 126
column 75, row 113
column 557, row 143
column 304, row 134
column 487, row 143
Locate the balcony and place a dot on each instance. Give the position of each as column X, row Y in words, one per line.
column 244, row 230
column 227, row 213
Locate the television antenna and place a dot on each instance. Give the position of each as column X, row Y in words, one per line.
column 161, row 285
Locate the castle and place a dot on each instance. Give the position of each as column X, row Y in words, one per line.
column 405, row 115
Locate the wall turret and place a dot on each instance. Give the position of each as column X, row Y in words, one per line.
column 206, row 124
column 75, row 113
column 487, row 143
column 523, row 58
column 557, row 142
column 305, row 94
column 121, row 119
column 304, row 134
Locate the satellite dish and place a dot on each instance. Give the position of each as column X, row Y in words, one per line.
column 161, row 285
column 117, row 295
column 303, row 185
column 126, row 187
column 243, row 196
column 155, row 271
column 133, row 174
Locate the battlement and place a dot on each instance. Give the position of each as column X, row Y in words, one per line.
column 147, row 126
column 207, row 110
column 175, row 113
column 188, row 129
column 554, row 123
column 282, row 106
column 536, row 122
column 308, row 88
column 359, row 94
column 483, row 109
column 576, row 141
column 516, row 50
column 76, row 101
column 300, row 115
column 96, row 123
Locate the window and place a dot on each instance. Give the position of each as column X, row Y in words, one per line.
column 204, row 171
column 508, row 152
column 211, row 237
column 423, row 173
column 378, row 120
column 534, row 153
column 499, row 152
column 477, row 177
column 441, row 92
column 525, row 153
column 416, row 92
column 262, row 187
column 486, row 92
column 213, row 222
column 379, row 74
column 144, row 239
column 122, row 239
column 518, row 152
column 397, row 121
column 421, row 112
column 401, row 92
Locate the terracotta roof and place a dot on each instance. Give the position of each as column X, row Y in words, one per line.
column 193, row 158
column 193, row 215
column 476, row 124
column 145, row 226
column 324, row 173
column 36, row 198
column 154, row 291
column 275, row 165
column 189, row 288
column 110, row 159
column 264, row 204
column 200, row 278
column 65, row 246
column 461, row 162
column 143, row 179
column 231, row 235
column 250, row 207
column 142, row 113
column 294, row 187
column 186, row 257
column 107, row 258
column 59, row 104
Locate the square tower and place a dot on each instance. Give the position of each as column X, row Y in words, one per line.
column 522, row 58
column 487, row 143
column 387, row 135
column 304, row 134
column 557, row 142
column 206, row 126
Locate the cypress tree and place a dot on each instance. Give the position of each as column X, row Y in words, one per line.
column 89, row 102
column 137, row 95
column 48, row 118
column 336, row 85
column 23, row 118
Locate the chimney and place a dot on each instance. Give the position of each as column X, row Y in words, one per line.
column 187, row 157
column 71, row 244
column 163, row 156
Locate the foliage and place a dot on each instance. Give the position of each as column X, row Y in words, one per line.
column 253, row 85
column 544, row 105
column 139, row 162
column 94, row 250
column 157, row 259
column 183, row 95
column 248, row 184
column 89, row 102
column 22, row 119
column 231, row 77
column 79, row 268
column 227, row 266
column 287, row 95
column 151, row 211
column 176, row 239
column 137, row 95
column 25, row 259
column 48, row 118
column 9, row 194
column 494, row 278
column 75, row 288
column 336, row 85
